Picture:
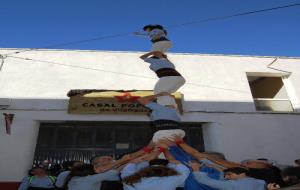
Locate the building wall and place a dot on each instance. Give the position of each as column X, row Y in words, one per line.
column 217, row 92
column 238, row 135
column 209, row 78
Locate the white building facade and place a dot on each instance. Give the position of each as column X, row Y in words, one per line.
column 248, row 106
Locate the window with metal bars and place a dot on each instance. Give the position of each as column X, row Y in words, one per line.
column 59, row 142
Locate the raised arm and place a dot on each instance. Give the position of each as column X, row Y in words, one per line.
column 146, row 149
column 198, row 155
column 154, row 53
column 187, row 148
column 153, row 155
column 125, row 159
column 146, row 55
column 217, row 167
column 168, row 155
column 138, row 163
column 202, row 178
column 224, row 163
column 164, row 145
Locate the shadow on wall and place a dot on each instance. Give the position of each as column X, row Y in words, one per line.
column 217, row 106
column 91, row 106
column 188, row 106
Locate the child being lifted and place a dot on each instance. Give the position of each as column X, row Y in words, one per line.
column 158, row 37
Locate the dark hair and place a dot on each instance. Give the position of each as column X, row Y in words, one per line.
column 83, row 170
column 151, row 171
column 263, row 159
column 30, row 172
column 55, row 169
column 291, row 171
column 67, row 165
column 38, row 167
column 158, row 162
column 236, row 170
column 291, row 175
column 154, row 57
column 156, row 26
column 80, row 171
column 148, row 27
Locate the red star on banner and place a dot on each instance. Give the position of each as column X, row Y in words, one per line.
column 127, row 97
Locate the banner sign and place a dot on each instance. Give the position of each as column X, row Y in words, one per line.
column 110, row 101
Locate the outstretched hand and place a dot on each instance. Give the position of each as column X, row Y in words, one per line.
column 165, row 143
column 153, row 155
column 177, row 138
column 273, row 186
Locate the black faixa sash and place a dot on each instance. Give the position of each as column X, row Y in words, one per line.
column 164, row 72
column 165, row 125
column 160, row 39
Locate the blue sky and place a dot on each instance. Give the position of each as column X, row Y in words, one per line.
column 39, row 23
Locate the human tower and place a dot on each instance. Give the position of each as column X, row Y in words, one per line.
column 164, row 110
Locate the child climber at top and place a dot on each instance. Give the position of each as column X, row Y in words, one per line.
column 157, row 35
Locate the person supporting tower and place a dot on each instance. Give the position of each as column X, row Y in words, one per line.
column 165, row 118
column 158, row 36
column 170, row 80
